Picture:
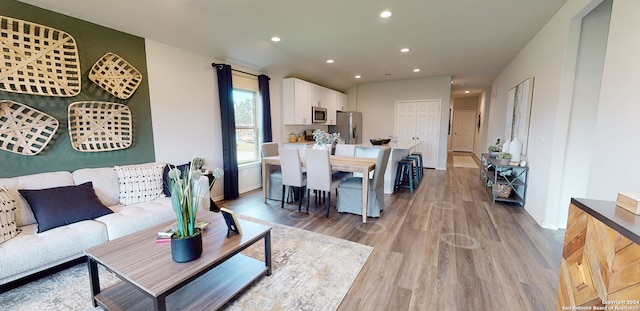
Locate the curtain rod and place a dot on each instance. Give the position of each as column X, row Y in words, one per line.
column 251, row 74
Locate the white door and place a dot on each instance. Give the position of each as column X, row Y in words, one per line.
column 463, row 130
column 419, row 121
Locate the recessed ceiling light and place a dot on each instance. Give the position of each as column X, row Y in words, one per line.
column 386, row 14
column 416, row 70
column 358, row 77
column 329, row 61
column 405, row 50
column 466, row 92
column 275, row 39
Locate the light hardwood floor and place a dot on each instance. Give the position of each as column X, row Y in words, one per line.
column 446, row 247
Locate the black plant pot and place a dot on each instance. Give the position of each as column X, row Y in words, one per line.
column 186, row 249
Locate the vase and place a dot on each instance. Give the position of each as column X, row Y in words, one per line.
column 515, row 149
column 186, row 249
column 504, row 161
column 214, row 207
column 322, row 147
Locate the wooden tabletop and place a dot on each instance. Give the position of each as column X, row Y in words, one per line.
column 147, row 264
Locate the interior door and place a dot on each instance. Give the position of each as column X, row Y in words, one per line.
column 419, row 121
column 428, row 131
column 463, row 130
column 405, row 122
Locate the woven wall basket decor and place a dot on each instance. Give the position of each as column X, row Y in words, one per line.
column 115, row 75
column 100, row 126
column 37, row 59
column 24, row 130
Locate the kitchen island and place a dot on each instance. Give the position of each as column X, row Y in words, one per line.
column 399, row 150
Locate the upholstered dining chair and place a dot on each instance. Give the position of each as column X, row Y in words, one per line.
column 274, row 177
column 319, row 175
column 345, row 150
column 292, row 174
column 350, row 198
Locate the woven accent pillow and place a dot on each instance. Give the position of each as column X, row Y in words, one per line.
column 8, row 227
column 140, row 183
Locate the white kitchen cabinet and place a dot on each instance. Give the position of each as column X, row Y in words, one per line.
column 299, row 96
column 297, row 99
column 331, row 98
column 342, row 102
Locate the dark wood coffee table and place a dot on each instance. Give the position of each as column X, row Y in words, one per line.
column 151, row 280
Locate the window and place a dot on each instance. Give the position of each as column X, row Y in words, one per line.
column 244, row 104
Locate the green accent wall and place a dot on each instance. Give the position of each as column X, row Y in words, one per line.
column 93, row 42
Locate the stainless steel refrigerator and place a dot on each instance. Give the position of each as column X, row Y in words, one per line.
column 349, row 125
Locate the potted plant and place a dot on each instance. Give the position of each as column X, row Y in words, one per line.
column 187, row 194
column 493, row 151
column 325, row 140
column 198, row 163
column 504, row 158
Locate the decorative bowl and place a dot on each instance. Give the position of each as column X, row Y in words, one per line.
column 380, row 141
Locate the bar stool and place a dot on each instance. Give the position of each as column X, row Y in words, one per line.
column 420, row 165
column 404, row 175
column 416, row 171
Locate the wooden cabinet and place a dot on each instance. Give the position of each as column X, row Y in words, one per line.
column 600, row 268
column 299, row 96
column 342, row 102
column 505, row 183
column 296, row 98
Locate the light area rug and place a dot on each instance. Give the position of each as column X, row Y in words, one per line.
column 310, row 271
column 464, row 161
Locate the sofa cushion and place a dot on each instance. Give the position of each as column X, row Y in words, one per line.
column 104, row 180
column 24, row 215
column 30, row 252
column 128, row 219
column 166, row 181
column 8, row 227
column 140, row 183
column 59, row 206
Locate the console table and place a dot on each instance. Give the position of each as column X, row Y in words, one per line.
column 600, row 258
column 505, row 183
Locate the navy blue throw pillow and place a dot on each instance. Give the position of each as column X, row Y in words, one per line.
column 166, row 181
column 60, row 206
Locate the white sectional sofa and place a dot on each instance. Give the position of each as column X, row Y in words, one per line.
column 30, row 252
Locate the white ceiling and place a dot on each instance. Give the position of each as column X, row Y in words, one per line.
column 471, row 40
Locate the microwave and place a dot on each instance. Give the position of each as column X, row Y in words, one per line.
column 318, row 114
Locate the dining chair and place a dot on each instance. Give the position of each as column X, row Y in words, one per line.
column 350, row 198
column 274, row 175
column 292, row 174
column 345, row 150
column 319, row 175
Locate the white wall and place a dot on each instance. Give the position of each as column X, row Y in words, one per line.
column 550, row 57
column 482, row 142
column 616, row 148
column 185, row 111
column 377, row 101
column 584, row 107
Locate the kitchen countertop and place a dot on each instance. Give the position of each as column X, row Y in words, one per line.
column 393, row 145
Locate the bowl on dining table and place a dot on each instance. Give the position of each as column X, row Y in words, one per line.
column 379, row 141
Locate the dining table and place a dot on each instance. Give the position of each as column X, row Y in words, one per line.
column 343, row 164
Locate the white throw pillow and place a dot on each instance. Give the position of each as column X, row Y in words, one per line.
column 8, row 227
column 139, row 183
